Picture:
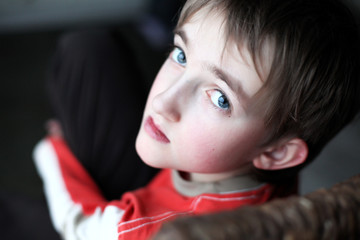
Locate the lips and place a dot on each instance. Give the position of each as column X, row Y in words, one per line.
column 154, row 131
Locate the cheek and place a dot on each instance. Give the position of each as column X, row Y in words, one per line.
column 210, row 149
column 202, row 148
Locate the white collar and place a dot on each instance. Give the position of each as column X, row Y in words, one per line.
column 240, row 183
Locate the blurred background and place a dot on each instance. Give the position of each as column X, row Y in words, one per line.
column 28, row 33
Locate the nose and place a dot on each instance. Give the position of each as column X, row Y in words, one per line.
column 168, row 103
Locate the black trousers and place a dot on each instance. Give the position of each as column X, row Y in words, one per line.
column 97, row 94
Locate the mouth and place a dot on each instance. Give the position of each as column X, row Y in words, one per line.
column 154, row 131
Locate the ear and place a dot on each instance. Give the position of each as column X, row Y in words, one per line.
column 289, row 154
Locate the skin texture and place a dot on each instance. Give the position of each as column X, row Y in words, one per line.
column 208, row 139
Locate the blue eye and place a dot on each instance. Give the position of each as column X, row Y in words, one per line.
column 178, row 56
column 219, row 99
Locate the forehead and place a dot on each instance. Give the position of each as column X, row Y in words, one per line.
column 205, row 32
column 233, row 32
column 203, row 35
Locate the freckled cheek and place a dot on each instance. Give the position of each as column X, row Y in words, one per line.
column 199, row 147
column 209, row 149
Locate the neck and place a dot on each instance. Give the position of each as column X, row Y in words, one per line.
column 214, row 177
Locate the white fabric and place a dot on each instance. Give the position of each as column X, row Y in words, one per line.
column 67, row 216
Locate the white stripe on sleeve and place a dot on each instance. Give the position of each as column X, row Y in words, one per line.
column 67, row 216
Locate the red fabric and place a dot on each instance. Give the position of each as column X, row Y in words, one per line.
column 81, row 187
column 161, row 202
column 147, row 208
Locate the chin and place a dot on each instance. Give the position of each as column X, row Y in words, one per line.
column 150, row 161
column 145, row 154
column 138, row 147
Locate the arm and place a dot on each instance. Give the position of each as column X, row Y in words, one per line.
column 77, row 208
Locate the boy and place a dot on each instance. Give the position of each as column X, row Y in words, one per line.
column 249, row 85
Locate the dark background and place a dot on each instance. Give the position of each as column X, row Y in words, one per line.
column 28, row 33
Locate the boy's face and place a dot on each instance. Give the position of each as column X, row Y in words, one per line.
column 195, row 119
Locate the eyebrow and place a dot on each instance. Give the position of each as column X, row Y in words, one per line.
column 234, row 85
column 181, row 34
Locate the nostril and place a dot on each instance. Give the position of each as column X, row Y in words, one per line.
column 173, row 115
column 166, row 107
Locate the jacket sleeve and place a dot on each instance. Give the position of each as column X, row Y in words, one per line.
column 77, row 207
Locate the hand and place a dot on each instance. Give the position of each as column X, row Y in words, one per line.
column 54, row 129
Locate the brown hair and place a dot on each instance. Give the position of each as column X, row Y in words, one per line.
column 311, row 89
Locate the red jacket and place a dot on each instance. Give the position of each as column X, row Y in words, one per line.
column 79, row 211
